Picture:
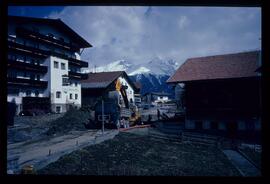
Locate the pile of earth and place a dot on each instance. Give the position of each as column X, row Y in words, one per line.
column 73, row 120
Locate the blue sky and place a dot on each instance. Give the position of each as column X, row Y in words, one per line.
column 139, row 34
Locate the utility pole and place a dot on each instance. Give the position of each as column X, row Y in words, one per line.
column 102, row 116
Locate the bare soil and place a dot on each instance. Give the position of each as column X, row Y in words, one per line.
column 131, row 154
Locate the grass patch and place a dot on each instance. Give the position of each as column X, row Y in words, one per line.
column 130, row 154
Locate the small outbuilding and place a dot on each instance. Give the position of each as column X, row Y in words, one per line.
column 105, row 84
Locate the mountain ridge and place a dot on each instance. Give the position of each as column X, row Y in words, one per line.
column 152, row 74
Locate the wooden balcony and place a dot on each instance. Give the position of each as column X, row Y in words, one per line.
column 46, row 39
column 44, row 53
column 27, row 66
column 27, row 49
column 26, row 82
column 76, row 75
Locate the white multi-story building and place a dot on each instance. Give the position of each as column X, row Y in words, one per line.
column 44, row 65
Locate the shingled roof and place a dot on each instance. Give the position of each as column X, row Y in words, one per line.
column 104, row 79
column 236, row 65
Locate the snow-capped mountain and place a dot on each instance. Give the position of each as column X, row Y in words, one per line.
column 120, row 65
column 158, row 66
column 152, row 75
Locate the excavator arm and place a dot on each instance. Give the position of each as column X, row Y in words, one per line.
column 124, row 95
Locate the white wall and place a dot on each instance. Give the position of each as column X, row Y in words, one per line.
column 18, row 99
column 73, row 89
column 54, row 76
column 56, row 80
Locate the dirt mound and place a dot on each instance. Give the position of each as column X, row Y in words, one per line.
column 73, row 120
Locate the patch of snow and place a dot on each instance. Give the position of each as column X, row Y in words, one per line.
column 140, row 70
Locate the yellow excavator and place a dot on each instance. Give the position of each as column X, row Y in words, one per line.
column 135, row 116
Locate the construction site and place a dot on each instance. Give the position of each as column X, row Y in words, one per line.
column 201, row 118
column 90, row 141
column 113, row 136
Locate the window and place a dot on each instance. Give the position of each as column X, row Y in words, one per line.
column 58, row 94
column 10, row 57
column 63, row 66
column 24, row 74
column 241, row 125
column 257, row 125
column 58, row 109
column 189, row 124
column 76, row 96
column 206, row 125
column 222, row 126
column 32, row 76
column 76, row 83
column 36, row 93
column 12, row 74
column 55, row 64
column 198, row 125
column 65, row 81
column 214, row 125
column 38, row 77
column 70, row 96
column 28, row 93
column 38, row 62
column 36, row 45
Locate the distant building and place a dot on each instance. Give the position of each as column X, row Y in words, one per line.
column 137, row 94
column 44, row 65
column 154, row 98
column 222, row 93
column 104, row 84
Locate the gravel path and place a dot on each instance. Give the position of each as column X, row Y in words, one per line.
column 241, row 163
column 41, row 153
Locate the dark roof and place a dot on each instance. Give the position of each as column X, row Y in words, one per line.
column 236, row 65
column 104, row 79
column 58, row 23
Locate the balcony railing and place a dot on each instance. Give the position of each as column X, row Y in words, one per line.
column 76, row 75
column 26, row 82
column 45, row 53
column 27, row 66
column 27, row 49
column 36, row 36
